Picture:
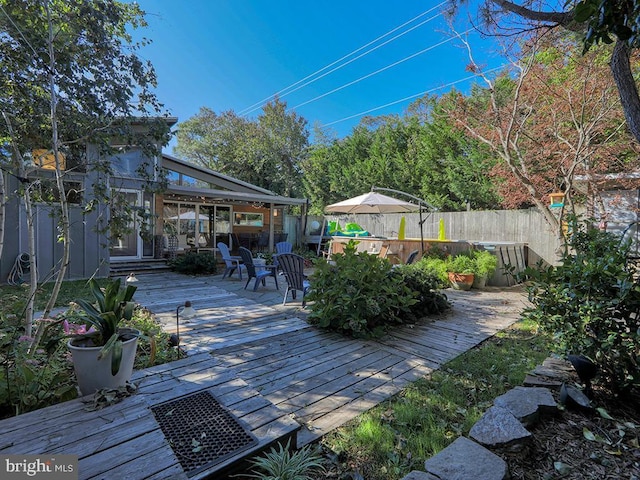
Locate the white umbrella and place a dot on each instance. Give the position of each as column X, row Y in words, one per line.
column 372, row 202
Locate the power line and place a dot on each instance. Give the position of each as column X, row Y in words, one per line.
column 411, row 97
column 19, row 31
column 362, row 55
column 375, row 73
column 282, row 93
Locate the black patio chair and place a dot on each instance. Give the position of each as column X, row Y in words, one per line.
column 412, row 257
column 292, row 267
column 256, row 272
column 263, row 241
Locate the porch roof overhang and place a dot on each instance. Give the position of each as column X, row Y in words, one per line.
column 227, row 195
column 210, row 176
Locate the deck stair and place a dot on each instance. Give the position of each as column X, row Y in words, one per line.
column 146, row 265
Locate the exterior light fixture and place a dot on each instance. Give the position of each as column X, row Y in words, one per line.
column 186, row 311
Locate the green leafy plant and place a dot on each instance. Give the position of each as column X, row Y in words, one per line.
column 282, row 464
column 30, row 381
column 426, row 284
column 358, row 295
column 461, row 263
column 591, row 304
column 266, row 256
column 436, row 266
column 485, row 263
column 112, row 306
column 192, row 263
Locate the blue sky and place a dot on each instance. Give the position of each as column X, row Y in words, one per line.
column 232, row 54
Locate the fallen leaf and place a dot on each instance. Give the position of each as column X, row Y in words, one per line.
column 562, row 468
column 604, row 414
column 588, row 434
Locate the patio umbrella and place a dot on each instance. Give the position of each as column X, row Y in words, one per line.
column 372, row 202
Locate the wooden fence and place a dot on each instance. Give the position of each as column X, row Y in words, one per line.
column 489, row 227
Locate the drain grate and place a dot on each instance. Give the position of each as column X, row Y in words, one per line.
column 200, row 431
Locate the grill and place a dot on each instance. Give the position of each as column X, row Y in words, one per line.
column 200, row 431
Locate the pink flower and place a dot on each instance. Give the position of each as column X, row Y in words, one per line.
column 75, row 329
column 25, row 338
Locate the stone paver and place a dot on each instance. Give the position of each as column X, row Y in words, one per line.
column 464, row 459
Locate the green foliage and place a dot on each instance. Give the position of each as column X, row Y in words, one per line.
column 192, row 263
column 29, row 382
column 397, row 436
column 358, row 295
column 608, row 18
column 153, row 345
column 591, row 304
column 112, row 306
column 266, row 151
column 461, row 263
column 425, row 283
column 266, row 256
column 421, row 153
column 437, row 267
column 282, row 464
column 485, row 263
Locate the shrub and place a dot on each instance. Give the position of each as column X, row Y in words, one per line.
column 425, row 284
column 591, row 304
column 437, row 267
column 192, row 263
column 358, row 295
column 31, row 381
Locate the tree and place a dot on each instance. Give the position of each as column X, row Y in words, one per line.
column 70, row 76
column 596, row 21
column 556, row 115
column 420, row 153
column 266, row 151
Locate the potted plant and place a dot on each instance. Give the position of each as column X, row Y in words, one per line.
column 461, row 270
column 486, row 264
column 103, row 356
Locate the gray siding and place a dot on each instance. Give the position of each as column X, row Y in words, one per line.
column 89, row 251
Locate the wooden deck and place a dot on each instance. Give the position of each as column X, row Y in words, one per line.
column 262, row 361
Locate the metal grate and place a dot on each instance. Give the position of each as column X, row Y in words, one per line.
column 200, row 431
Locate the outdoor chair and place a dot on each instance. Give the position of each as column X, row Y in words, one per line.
column 257, row 272
column 284, row 247
column 384, row 251
column 292, row 267
column 412, row 257
column 263, row 241
column 231, row 262
column 234, row 242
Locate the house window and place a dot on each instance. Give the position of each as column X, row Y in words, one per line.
column 128, row 163
column 46, row 191
column 248, row 219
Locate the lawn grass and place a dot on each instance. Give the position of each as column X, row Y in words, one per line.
column 14, row 298
column 398, row 435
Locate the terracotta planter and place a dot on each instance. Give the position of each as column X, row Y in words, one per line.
column 93, row 373
column 461, row 281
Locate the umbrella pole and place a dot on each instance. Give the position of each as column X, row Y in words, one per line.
column 421, row 233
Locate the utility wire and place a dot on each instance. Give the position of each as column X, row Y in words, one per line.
column 19, row 31
column 290, row 88
column 376, row 72
column 411, row 97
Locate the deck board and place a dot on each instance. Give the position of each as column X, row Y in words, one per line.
column 265, row 363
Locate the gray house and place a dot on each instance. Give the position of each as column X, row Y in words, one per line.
column 197, row 209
